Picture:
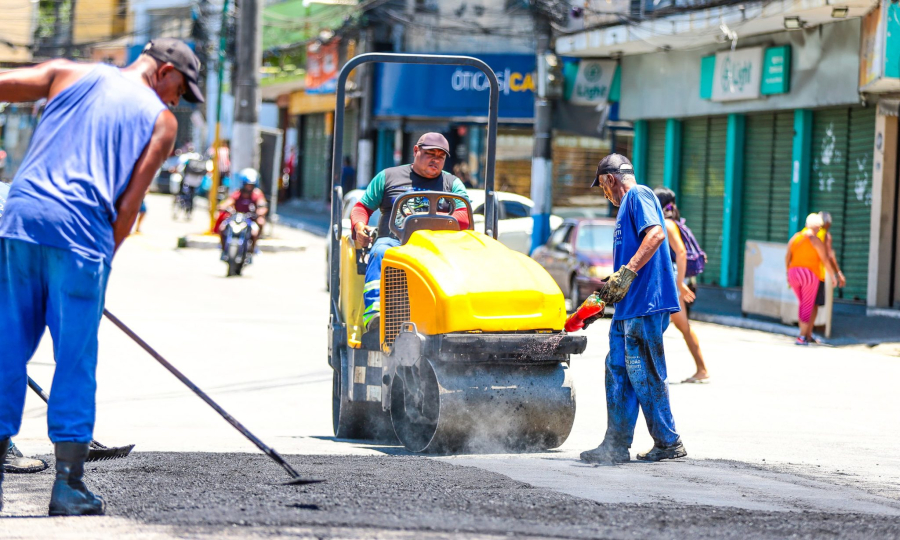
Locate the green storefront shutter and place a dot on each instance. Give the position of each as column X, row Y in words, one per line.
column 714, row 207
column 756, row 196
column 828, row 177
column 782, row 171
column 853, row 257
column 656, row 153
column 692, row 196
column 315, row 175
column 766, row 198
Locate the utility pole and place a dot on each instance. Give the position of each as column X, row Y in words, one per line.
column 217, row 142
column 365, row 152
column 247, row 102
column 542, row 159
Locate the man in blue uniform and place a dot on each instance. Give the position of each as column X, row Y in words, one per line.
column 13, row 460
column 104, row 134
column 644, row 293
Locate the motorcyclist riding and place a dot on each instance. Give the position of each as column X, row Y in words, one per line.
column 247, row 200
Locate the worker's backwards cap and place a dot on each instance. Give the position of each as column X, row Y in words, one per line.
column 612, row 164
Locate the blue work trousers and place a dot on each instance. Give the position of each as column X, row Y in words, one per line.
column 636, row 377
column 42, row 286
column 372, row 288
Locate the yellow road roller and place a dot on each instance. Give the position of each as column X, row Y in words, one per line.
column 470, row 354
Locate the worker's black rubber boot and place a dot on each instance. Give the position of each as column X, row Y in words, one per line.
column 658, row 453
column 4, row 448
column 70, row 497
column 607, row 453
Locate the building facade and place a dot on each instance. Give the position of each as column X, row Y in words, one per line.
column 754, row 136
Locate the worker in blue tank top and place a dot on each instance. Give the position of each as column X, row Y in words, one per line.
column 104, row 134
column 644, row 293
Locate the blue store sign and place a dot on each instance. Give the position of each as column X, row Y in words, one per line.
column 454, row 91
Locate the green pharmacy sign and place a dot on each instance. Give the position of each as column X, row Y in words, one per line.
column 776, row 77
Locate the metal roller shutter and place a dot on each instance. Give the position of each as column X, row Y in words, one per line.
column 701, row 201
column 692, row 194
column 314, row 167
column 766, row 192
column 782, row 172
column 714, row 208
column 574, row 165
column 855, row 230
column 828, row 178
column 843, row 141
column 656, row 153
column 756, row 193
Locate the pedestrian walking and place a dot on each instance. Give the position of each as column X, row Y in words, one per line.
column 142, row 212
column 679, row 256
column 69, row 209
column 806, row 260
column 644, row 293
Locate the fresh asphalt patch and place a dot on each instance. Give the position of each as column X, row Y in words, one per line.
column 222, row 492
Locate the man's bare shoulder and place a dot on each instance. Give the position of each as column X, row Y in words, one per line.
column 65, row 73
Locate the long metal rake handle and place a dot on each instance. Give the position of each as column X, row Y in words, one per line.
column 295, row 476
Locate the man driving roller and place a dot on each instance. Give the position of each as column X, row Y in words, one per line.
column 425, row 173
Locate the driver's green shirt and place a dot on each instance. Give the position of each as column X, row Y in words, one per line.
column 391, row 183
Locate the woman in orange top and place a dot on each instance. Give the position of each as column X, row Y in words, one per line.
column 806, row 259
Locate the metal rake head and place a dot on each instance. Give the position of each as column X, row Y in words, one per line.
column 99, row 452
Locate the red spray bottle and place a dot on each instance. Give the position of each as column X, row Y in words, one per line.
column 590, row 307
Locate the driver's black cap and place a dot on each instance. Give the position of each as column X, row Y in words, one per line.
column 177, row 53
column 612, row 164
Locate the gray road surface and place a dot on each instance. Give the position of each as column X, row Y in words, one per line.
column 785, row 440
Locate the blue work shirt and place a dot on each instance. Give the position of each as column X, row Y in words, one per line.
column 653, row 290
column 79, row 163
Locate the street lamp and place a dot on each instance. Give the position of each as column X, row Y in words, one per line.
column 793, row 23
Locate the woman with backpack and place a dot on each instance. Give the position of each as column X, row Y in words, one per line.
column 688, row 259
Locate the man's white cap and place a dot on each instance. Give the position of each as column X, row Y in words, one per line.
column 814, row 220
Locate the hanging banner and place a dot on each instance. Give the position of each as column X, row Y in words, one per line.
column 737, row 74
column 592, row 82
column 322, row 63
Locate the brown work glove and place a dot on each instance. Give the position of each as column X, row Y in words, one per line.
column 613, row 291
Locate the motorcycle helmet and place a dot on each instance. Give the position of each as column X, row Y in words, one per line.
column 248, row 177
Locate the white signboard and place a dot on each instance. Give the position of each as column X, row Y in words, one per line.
column 766, row 291
column 592, row 82
column 737, row 75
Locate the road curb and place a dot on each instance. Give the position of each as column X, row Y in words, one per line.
column 747, row 324
column 212, row 242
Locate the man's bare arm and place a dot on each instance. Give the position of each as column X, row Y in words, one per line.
column 653, row 238
column 157, row 150
column 40, row 81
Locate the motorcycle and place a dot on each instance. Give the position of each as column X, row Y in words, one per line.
column 238, row 239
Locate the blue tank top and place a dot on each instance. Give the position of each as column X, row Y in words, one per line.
column 79, row 163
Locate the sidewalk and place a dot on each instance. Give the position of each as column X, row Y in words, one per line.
column 310, row 216
column 851, row 325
